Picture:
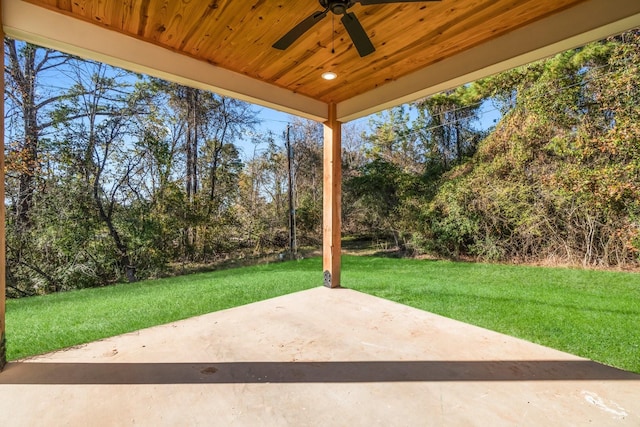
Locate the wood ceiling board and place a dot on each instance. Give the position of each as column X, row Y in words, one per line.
column 421, row 47
column 237, row 35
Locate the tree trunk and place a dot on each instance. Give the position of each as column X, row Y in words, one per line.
column 192, row 143
column 24, row 77
column 123, row 252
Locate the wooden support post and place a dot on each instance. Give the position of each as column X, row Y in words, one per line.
column 3, row 347
column 332, row 203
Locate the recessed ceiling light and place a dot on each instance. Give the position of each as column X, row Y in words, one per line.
column 329, row 75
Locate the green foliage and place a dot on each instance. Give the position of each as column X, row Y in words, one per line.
column 558, row 178
column 100, row 197
column 448, row 227
column 387, row 193
column 378, row 187
column 309, row 215
column 445, row 125
column 388, row 200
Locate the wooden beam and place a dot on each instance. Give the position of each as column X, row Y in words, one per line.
column 332, row 203
column 3, row 347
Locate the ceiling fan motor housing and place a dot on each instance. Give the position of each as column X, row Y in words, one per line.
column 337, row 7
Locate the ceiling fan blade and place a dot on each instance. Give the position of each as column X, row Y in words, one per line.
column 358, row 35
column 304, row 26
column 368, row 2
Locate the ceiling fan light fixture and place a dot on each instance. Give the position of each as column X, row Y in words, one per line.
column 329, row 75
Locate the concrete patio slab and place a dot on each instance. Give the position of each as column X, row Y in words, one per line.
column 318, row 357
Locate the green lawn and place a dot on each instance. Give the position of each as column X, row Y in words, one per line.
column 594, row 314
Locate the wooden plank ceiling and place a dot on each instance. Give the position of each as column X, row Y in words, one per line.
column 237, row 35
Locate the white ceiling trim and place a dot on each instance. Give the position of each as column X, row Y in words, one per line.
column 584, row 23
column 45, row 28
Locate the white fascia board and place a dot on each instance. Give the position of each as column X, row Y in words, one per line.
column 57, row 31
column 584, row 23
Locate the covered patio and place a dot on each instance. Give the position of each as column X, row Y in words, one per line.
column 321, row 356
column 317, row 357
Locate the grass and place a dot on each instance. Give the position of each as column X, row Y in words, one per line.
column 40, row 324
column 594, row 314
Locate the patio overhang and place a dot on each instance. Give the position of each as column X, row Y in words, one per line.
column 546, row 28
column 225, row 46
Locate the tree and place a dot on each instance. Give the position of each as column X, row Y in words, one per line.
column 28, row 110
column 227, row 122
column 393, row 141
column 306, row 141
column 30, row 124
column 206, row 128
column 97, row 129
column 445, row 125
column 558, row 177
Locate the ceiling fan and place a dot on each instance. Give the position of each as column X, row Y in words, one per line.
column 339, row 7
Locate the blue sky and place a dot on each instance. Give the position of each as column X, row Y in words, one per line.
column 271, row 120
